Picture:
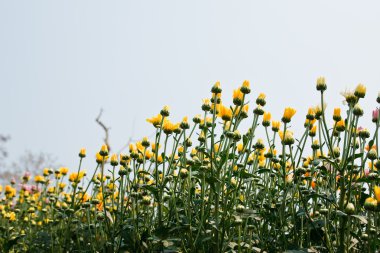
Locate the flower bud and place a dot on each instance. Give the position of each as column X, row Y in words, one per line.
column 240, row 208
column 336, row 115
column 364, row 133
column 358, row 111
column 260, row 100
column 350, row 209
column 360, row 91
column 340, row 126
column 258, row 110
column 245, row 87
column 375, row 115
column 276, row 126
column 315, row 145
column 216, row 88
column 104, row 150
column 184, row 173
column 370, row 204
column 165, row 111
column 236, row 135
column 82, row 153
column 146, row 200
column 321, row 84
column 336, row 151
column 123, row 171
column 206, row 106
column 372, row 154
column 114, row 160
column 237, row 97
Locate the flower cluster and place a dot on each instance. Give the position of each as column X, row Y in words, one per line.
column 208, row 184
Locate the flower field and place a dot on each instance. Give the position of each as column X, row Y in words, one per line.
column 206, row 184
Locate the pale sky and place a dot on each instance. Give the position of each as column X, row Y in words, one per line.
column 61, row 61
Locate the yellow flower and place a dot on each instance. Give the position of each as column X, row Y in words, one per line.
column 288, row 114
column 266, row 119
column 165, row 111
column 245, row 109
column 169, row 127
column 104, row 150
column 313, row 131
column 63, row 170
column 360, row 91
column 216, row 147
column 215, row 107
column 156, row 120
column 180, row 150
column 82, row 153
column 310, row 113
column 148, row 154
column 245, row 87
column 216, row 89
column 99, row 158
column 46, row 172
column 340, row 126
column 377, row 192
column 370, row 204
column 309, row 123
column 114, row 160
column 206, row 105
column 139, row 146
column 276, row 126
column 321, row 83
column 75, row 177
column 185, row 124
column 287, row 139
column 11, row 216
column 51, row 189
column 153, row 146
column 160, row 159
column 336, row 115
column 61, row 185
column 225, row 113
column 260, row 100
column 237, row 97
column 239, row 147
column 39, row 179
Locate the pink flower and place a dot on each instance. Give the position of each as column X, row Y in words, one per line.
column 375, row 115
column 26, row 187
column 34, row 188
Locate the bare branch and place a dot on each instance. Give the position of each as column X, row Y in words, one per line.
column 106, row 129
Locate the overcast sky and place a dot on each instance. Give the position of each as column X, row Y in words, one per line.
column 61, row 61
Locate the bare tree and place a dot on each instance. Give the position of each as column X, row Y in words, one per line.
column 29, row 161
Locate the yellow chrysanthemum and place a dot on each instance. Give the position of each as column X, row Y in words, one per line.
column 156, row 120
column 225, row 113
column 288, row 114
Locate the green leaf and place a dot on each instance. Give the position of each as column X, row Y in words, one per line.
column 263, row 171
column 354, row 157
column 361, row 218
column 245, row 174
